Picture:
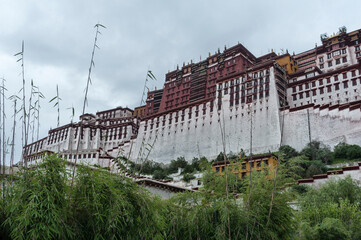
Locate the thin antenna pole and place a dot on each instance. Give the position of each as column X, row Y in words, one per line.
column 38, row 116
column 13, row 138
column 25, row 132
column 3, row 116
column 2, row 166
column 57, row 96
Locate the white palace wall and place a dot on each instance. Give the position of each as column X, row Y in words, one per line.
column 201, row 136
column 328, row 127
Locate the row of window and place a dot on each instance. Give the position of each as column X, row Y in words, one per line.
column 321, row 81
column 321, row 90
column 337, row 61
column 248, row 84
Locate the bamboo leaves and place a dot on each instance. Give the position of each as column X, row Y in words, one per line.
column 150, row 76
column 57, row 100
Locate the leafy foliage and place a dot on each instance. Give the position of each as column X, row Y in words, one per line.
column 344, row 150
column 36, row 206
column 317, row 151
column 331, row 212
column 288, row 152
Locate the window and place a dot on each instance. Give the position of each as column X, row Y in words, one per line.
column 345, row 84
column 337, row 86
column 336, row 78
column 354, row 82
column 344, row 59
column 320, row 82
column 338, row 61
column 329, row 56
column 328, row 80
column 344, row 51
column 301, row 95
column 321, row 59
column 293, row 89
column 313, row 84
column 344, row 75
column 357, row 48
column 294, row 97
column 314, row 92
column 353, row 73
column 330, row 64
column 300, row 87
column 321, row 90
column 321, row 66
column 307, row 94
column 307, row 86
column 329, row 88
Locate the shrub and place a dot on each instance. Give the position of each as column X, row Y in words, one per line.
column 317, row 151
column 175, row 164
column 344, row 150
column 159, row 174
column 188, row 177
column 340, row 150
column 288, row 151
column 353, row 152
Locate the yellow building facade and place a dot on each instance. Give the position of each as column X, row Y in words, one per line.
column 242, row 167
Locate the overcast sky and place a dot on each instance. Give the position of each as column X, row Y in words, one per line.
column 158, row 35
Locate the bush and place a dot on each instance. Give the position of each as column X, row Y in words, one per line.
column 288, row 151
column 334, row 210
column 353, row 152
column 175, row 164
column 188, row 177
column 159, row 175
column 340, row 150
column 220, row 157
column 344, row 150
column 317, row 151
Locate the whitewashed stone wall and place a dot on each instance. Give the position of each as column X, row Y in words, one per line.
column 328, row 127
column 201, row 136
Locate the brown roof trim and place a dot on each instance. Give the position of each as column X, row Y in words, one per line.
column 332, row 107
column 301, row 107
column 344, row 106
column 351, row 168
column 354, row 107
column 308, row 180
column 320, row 176
column 335, row 172
column 324, row 106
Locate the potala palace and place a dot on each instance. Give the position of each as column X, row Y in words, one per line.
column 230, row 100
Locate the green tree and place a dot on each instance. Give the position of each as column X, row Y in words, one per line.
column 317, row 151
column 288, row 152
column 175, row 164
